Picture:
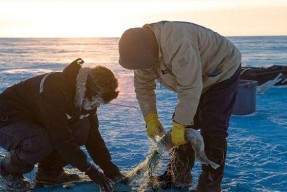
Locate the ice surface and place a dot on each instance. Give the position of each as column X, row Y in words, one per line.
column 257, row 151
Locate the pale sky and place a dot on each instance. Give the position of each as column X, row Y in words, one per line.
column 110, row 18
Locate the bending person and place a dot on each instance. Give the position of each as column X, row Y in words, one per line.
column 203, row 68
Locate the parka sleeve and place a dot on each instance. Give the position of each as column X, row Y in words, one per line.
column 144, row 82
column 53, row 111
column 186, row 66
column 98, row 150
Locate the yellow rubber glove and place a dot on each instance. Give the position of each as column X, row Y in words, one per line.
column 178, row 134
column 153, row 125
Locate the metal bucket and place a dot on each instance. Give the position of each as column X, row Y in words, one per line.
column 245, row 103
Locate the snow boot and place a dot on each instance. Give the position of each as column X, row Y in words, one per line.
column 178, row 172
column 210, row 179
column 12, row 169
column 50, row 171
column 55, row 177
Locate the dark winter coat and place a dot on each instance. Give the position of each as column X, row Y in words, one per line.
column 49, row 100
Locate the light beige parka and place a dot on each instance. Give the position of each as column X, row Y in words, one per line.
column 192, row 58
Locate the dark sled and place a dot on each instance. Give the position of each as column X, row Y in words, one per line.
column 262, row 75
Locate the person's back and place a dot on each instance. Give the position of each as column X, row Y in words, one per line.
column 215, row 52
column 23, row 98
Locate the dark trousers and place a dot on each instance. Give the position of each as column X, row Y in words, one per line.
column 212, row 118
column 215, row 107
column 31, row 141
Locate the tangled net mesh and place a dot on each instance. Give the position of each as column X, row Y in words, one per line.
column 161, row 157
column 178, row 168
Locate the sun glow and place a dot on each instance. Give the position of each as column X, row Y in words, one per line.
column 109, row 18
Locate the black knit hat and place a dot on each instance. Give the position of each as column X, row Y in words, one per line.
column 138, row 49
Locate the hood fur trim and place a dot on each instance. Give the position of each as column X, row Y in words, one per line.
column 81, row 86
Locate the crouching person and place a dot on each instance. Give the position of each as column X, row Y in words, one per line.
column 46, row 119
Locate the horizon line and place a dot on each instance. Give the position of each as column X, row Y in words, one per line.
column 109, row 37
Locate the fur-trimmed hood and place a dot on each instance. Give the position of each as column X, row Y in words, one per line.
column 81, row 81
column 77, row 75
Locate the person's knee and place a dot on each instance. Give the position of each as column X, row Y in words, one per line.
column 215, row 125
column 35, row 144
column 35, row 148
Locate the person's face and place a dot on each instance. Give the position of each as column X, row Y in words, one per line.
column 92, row 103
column 93, row 97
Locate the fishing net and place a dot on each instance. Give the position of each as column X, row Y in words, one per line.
column 145, row 173
column 143, row 177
